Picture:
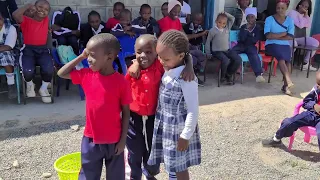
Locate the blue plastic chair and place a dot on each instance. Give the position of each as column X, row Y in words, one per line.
column 17, row 78
column 234, row 37
column 127, row 49
column 58, row 62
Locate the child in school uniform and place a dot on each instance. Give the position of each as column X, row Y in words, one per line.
column 35, row 51
column 218, row 45
column 196, row 35
column 145, row 21
column 8, row 39
column 108, row 96
column 176, row 139
column 145, row 76
column 310, row 117
column 172, row 20
column 112, row 22
column 249, row 35
column 93, row 27
column 125, row 27
column 164, row 9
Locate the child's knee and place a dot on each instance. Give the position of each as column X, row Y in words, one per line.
column 28, row 74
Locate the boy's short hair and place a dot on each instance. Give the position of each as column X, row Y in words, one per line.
column 222, row 15
column 118, row 4
column 93, row 13
column 107, row 41
column 148, row 37
column 166, row 3
column 145, row 6
column 42, row 1
column 194, row 15
column 125, row 12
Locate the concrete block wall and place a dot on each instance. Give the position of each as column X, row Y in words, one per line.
column 104, row 7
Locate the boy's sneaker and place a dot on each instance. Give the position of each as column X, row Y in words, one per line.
column 260, row 79
column 45, row 95
column 271, row 143
column 12, row 91
column 305, row 68
column 30, row 90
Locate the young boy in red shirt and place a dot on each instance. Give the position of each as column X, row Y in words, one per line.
column 107, row 96
column 35, row 50
column 112, row 22
column 172, row 20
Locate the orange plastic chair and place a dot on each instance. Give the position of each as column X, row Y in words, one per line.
column 307, row 130
column 267, row 59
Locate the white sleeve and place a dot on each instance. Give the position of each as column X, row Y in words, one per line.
column 188, row 10
column 190, row 93
column 11, row 38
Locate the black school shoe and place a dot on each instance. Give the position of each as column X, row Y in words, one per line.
column 271, row 143
column 229, row 79
column 12, row 91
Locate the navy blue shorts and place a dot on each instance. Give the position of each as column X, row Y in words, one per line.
column 92, row 157
column 280, row 52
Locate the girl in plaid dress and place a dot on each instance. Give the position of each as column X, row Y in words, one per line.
column 176, row 139
column 8, row 38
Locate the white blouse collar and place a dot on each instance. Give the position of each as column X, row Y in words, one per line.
column 172, row 74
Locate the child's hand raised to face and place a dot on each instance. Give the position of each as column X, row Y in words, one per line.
column 84, row 54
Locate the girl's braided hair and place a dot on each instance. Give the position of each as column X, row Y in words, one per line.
column 176, row 40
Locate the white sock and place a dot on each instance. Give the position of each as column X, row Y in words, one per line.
column 44, row 85
column 30, row 83
column 10, row 78
column 276, row 139
column 172, row 176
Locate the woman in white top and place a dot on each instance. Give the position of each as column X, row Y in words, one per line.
column 8, row 38
column 301, row 18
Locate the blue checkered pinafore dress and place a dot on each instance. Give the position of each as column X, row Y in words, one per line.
column 170, row 121
column 7, row 58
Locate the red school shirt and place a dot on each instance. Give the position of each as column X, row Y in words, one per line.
column 145, row 89
column 111, row 23
column 167, row 23
column 35, row 32
column 104, row 97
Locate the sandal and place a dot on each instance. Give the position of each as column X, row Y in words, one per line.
column 286, row 91
column 290, row 85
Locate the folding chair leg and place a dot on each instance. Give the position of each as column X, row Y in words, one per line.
column 309, row 65
column 24, row 92
column 219, row 76
column 58, row 86
column 67, row 84
column 52, row 89
column 242, row 71
column 17, row 73
column 270, row 69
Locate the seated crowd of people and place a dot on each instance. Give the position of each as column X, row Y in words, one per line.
column 66, row 29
